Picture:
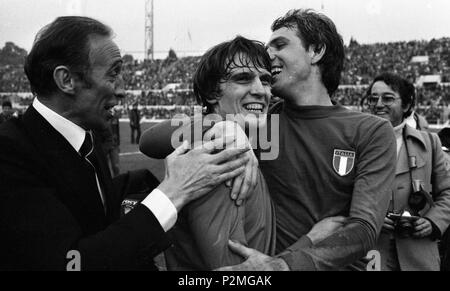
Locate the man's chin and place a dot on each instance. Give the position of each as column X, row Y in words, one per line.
column 384, row 116
column 108, row 118
column 256, row 120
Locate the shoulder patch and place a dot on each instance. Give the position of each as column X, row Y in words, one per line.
column 343, row 162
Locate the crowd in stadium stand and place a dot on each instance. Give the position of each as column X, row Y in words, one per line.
column 156, row 74
column 13, row 79
column 365, row 61
column 169, row 81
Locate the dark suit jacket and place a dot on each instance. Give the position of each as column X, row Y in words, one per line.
column 49, row 205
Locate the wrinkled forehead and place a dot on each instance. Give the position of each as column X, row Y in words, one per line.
column 244, row 62
column 103, row 50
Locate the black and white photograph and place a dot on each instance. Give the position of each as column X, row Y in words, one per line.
column 213, row 135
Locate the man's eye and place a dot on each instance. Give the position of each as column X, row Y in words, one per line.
column 372, row 100
column 243, row 79
column 116, row 71
column 388, row 99
column 280, row 45
column 266, row 80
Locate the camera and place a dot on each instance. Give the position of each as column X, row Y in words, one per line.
column 403, row 223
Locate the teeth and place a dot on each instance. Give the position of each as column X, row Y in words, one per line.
column 276, row 71
column 256, row 107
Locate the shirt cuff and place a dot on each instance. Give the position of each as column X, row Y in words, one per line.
column 162, row 208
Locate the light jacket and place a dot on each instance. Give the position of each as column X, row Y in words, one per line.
column 433, row 169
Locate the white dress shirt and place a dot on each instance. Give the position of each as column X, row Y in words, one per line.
column 157, row 202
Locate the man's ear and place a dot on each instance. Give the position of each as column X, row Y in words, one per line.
column 212, row 101
column 316, row 54
column 64, row 79
column 215, row 100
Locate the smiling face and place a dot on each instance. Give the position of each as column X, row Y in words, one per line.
column 291, row 62
column 394, row 110
column 96, row 96
column 246, row 90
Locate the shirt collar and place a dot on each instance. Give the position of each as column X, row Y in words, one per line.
column 398, row 130
column 411, row 121
column 70, row 131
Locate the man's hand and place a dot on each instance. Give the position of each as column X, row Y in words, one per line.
column 190, row 175
column 422, row 228
column 388, row 224
column 245, row 183
column 325, row 228
column 255, row 261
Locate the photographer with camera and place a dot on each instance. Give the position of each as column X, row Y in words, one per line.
column 419, row 210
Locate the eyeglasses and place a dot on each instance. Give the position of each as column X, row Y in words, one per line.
column 386, row 100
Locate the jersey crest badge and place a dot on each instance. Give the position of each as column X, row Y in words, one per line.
column 343, row 162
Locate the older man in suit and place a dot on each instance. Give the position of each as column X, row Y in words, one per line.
column 58, row 197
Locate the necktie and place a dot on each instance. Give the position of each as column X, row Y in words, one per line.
column 87, row 152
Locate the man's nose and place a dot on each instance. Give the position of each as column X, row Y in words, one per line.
column 258, row 88
column 379, row 103
column 271, row 53
column 120, row 88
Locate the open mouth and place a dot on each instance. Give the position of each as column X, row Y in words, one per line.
column 254, row 107
column 381, row 113
column 275, row 71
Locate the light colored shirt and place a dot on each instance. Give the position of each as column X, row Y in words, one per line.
column 411, row 121
column 157, row 202
column 398, row 131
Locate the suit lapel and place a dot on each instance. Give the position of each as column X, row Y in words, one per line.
column 67, row 170
column 418, row 153
column 402, row 161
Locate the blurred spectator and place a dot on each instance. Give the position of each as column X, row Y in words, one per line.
column 135, row 123
column 7, row 111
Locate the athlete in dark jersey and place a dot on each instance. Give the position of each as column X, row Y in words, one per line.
column 332, row 161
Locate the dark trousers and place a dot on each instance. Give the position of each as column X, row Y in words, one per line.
column 135, row 134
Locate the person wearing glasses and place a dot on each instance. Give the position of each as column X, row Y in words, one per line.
column 419, row 210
